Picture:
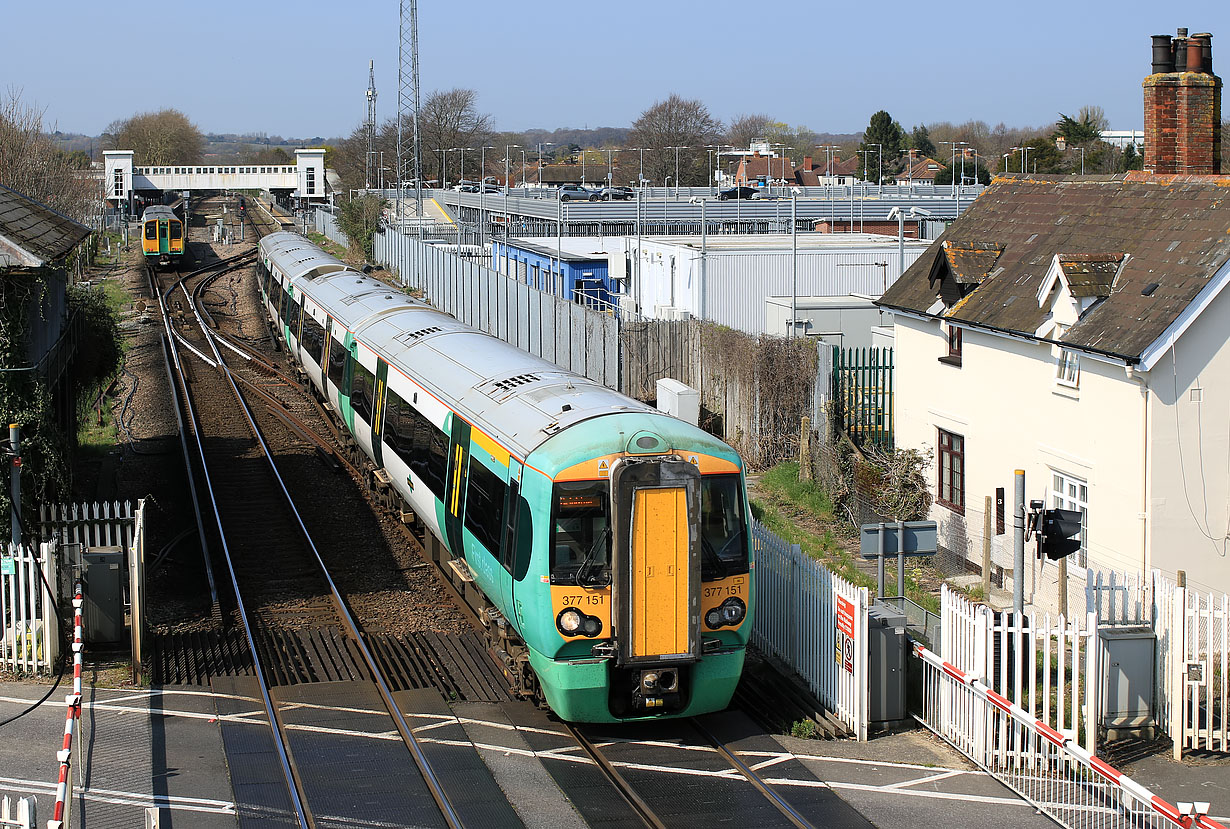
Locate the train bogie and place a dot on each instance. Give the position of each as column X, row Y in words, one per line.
column 605, row 545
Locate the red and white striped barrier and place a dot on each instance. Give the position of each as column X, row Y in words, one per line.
column 72, row 715
column 1140, row 801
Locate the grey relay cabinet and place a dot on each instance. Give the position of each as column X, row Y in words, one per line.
column 886, row 630
column 1127, row 671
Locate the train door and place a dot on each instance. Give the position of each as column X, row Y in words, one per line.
column 512, row 534
column 351, row 354
column 382, row 380
column 163, row 243
column 656, row 558
column 455, row 483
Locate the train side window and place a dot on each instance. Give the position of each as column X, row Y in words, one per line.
column 723, row 527
column 436, row 468
column 508, row 545
column 399, row 427
column 162, row 230
column 337, row 363
column 362, row 391
column 151, row 230
column 525, row 539
column 484, row 517
column 313, row 338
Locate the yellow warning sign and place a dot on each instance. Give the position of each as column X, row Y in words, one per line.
column 695, row 461
column 604, row 467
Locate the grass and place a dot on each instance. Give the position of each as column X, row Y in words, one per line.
column 813, row 508
column 330, row 247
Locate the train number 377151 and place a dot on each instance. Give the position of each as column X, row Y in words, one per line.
column 724, row 590
column 584, row 599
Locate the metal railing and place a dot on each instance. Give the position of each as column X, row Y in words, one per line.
column 1047, row 768
column 797, row 598
column 922, row 623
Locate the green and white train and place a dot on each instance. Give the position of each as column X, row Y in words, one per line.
column 605, row 545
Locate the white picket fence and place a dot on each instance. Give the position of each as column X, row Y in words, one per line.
column 105, row 524
column 30, row 642
column 815, row 622
column 1047, row 666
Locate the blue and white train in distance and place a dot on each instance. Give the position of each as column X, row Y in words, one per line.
column 604, row 544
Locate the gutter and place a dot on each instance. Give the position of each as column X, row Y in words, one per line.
column 910, row 312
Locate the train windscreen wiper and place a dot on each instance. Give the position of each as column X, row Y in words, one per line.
column 588, row 562
column 712, row 556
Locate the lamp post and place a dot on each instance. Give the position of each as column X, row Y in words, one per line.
column 640, row 179
column 541, row 144
column 610, row 167
column 524, row 164
column 482, row 185
column 709, row 148
column 461, row 176
column 508, row 147
column 879, row 164
column 676, row 149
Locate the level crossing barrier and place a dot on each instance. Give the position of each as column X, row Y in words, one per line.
column 1047, row 768
column 72, row 719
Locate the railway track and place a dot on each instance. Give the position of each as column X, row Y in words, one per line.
column 265, row 546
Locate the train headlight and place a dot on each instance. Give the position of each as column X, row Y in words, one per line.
column 733, row 611
column 591, row 626
column 728, row 614
column 569, row 621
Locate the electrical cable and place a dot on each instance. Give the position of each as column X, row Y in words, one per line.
column 1174, row 373
column 21, row 524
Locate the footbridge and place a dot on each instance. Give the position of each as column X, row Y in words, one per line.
column 305, row 179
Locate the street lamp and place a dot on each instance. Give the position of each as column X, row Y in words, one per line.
column 524, row 164
column 461, row 176
column 610, row 167
column 879, row 164
column 541, row 144
column 640, row 179
column 508, row 147
column 676, row 149
column 1061, row 144
column 482, row 185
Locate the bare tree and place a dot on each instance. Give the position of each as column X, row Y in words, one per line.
column 32, row 164
column 163, row 137
column 676, row 122
column 744, row 129
column 449, row 119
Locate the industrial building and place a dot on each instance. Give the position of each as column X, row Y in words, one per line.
column 728, row 279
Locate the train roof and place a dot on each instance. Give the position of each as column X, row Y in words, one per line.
column 158, row 211
column 518, row 398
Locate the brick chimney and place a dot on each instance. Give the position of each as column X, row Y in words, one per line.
column 1182, row 107
column 807, row 162
column 913, row 154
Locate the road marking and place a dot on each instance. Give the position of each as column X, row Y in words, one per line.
column 122, row 798
column 920, row 780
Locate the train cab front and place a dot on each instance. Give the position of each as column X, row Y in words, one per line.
column 650, row 586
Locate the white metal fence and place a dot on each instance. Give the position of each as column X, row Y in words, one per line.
column 31, row 633
column 1045, row 767
column 563, row 332
column 326, row 224
column 81, row 525
column 1198, row 670
column 815, row 622
column 1048, row 666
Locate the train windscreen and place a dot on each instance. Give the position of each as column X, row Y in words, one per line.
column 723, row 527
column 581, row 542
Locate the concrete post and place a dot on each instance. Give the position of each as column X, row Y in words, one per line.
column 986, row 547
column 15, row 482
column 1018, row 544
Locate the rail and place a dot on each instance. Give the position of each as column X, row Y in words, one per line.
column 1047, row 768
column 294, row 783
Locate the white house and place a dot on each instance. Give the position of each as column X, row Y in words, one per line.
column 1077, row 329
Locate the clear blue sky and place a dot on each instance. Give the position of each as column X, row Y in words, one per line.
column 300, row 69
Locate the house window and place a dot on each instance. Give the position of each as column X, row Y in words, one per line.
column 118, row 189
column 1072, row 493
column 953, row 357
column 1068, row 369
column 951, row 488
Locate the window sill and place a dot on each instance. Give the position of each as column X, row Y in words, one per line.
column 959, row 510
column 950, row 360
column 1070, row 392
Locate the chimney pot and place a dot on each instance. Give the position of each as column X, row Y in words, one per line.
column 1163, row 58
column 1206, row 43
column 1195, row 55
column 1182, row 31
column 1180, row 52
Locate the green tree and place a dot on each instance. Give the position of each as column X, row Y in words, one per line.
column 920, row 139
column 1079, row 133
column 1132, row 160
column 1043, row 157
column 885, row 138
column 32, row 164
column 359, row 219
column 947, row 174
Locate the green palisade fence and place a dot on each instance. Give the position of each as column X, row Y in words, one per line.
column 863, row 394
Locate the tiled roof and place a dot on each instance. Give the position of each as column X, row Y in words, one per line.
column 778, row 168
column 32, row 234
column 922, row 168
column 1173, row 230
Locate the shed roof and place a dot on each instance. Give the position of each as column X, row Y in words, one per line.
column 32, row 234
column 1170, row 230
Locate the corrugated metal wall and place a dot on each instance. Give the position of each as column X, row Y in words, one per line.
column 567, row 334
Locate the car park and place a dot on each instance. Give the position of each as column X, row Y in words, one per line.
column 739, row 193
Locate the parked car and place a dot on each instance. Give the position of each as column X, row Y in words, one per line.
column 616, row 193
column 575, row 192
column 492, row 188
column 739, row 193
